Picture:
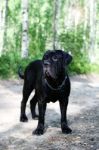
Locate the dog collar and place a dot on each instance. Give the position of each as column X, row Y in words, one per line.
column 59, row 87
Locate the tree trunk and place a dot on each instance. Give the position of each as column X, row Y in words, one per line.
column 92, row 33
column 66, row 18
column 57, row 4
column 86, row 22
column 1, row 30
column 24, row 53
column 3, row 24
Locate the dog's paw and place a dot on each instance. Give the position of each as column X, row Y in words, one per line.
column 23, row 118
column 66, row 130
column 39, row 130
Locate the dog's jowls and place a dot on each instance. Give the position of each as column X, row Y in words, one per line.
column 51, row 83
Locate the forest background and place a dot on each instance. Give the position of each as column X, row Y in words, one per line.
column 30, row 27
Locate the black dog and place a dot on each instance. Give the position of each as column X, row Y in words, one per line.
column 51, row 83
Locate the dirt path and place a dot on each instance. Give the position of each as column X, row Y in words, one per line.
column 83, row 117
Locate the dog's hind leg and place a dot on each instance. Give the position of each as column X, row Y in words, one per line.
column 27, row 89
column 33, row 103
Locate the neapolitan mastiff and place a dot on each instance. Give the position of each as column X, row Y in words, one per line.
column 50, row 80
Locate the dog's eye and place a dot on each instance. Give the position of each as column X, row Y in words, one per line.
column 54, row 58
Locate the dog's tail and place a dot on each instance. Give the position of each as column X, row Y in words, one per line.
column 20, row 73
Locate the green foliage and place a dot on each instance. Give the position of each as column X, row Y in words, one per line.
column 41, row 34
column 40, row 25
column 80, row 64
column 95, row 68
column 72, row 40
column 14, row 29
column 11, row 61
column 8, row 65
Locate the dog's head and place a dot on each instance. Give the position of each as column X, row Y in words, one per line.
column 55, row 62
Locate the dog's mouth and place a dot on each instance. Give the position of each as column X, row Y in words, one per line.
column 47, row 74
column 53, row 72
column 50, row 75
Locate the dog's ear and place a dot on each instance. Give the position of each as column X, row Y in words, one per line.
column 67, row 58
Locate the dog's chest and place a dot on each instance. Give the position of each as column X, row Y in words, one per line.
column 53, row 96
column 50, row 94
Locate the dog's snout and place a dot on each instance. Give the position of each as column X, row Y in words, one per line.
column 46, row 63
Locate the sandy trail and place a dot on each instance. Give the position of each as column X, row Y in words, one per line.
column 83, row 118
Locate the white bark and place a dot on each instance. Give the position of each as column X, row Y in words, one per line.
column 3, row 23
column 92, row 4
column 24, row 53
column 1, row 31
column 57, row 5
column 66, row 20
column 70, row 14
column 86, row 22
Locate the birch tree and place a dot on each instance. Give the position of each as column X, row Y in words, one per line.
column 3, row 24
column 66, row 18
column 24, row 53
column 92, row 34
column 86, row 22
column 57, row 5
column 1, row 29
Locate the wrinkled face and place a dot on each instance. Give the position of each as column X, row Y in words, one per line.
column 54, row 63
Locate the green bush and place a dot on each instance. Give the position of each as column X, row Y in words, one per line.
column 11, row 61
column 8, row 65
column 80, row 65
column 72, row 41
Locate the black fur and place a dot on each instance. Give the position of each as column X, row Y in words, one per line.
column 51, row 83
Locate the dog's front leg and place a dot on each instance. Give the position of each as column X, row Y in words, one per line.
column 63, row 108
column 40, row 128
